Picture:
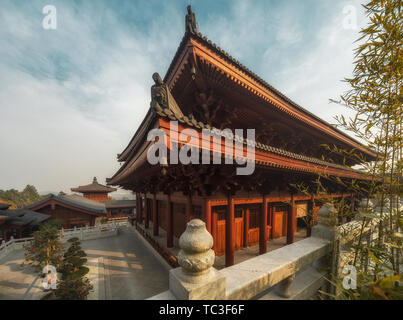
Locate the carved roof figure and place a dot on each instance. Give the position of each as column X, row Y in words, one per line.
column 191, row 25
column 159, row 91
column 161, row 97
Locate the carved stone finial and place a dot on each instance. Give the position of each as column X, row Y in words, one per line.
column 196, row 257
column 327, row 222
column 327, row 215
column 95, row 180
column 191, row 25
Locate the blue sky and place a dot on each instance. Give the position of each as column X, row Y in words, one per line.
column 71, row 98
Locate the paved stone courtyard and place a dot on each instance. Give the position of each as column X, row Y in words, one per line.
column 131, row 270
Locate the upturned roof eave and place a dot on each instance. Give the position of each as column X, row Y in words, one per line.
column 235, row 63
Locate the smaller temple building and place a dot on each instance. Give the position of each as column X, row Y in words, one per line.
column 70, row 210
column 19, row 223
column 95, row 191
column 100, row 193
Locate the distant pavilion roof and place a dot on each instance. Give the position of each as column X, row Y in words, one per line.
column 94, row 187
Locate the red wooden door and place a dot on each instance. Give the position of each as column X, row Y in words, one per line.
column 253, row 237
column 238, row 233
column 220, row 238
column 279, row 221
column 219, row 246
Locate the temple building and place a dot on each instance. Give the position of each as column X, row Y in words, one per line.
column 20, row 222
column 100, row 193
column 70, row 210
column 205, row 89
column 95, row 191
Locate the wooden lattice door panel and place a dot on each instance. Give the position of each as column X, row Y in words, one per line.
column 238, row 233
column 279, row 227
column 219, row 246
column 220, row 238
column 253, row 237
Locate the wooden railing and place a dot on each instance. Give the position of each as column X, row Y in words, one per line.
column 168, row 257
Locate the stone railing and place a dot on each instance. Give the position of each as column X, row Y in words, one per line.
column 12, row 245
column 89, row 233
column 86, row 233
column 294, row 271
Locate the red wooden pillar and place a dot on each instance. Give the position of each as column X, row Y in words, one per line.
column 290, row 221
column 188, row 214
column 246, row 232
column 140, row 208
column 263, row 227
column 170, row 225
column 229, row 233
column 311, row 206
column 155, row 216
column 214, row 229
column 207, row 214
column 270, row 213
column 146, row 215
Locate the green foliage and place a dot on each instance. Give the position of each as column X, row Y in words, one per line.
column 77, row 289
column 376, row 98
column 370, row 288
column 73, row 284
column 73, row 262
column 21, row 199
column 45, row 249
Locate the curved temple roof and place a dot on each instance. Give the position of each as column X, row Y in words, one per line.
column 93, row 187
column 193, row 33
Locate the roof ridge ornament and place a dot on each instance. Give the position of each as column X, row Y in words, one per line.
column 190, row 21
column 95, row 180
column 161, row 97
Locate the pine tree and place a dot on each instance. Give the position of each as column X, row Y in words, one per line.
column 74, row 285
column 45, row 249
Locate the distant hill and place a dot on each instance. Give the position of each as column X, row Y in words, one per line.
column 122, row 196
column 21, row 198
column 45, row 193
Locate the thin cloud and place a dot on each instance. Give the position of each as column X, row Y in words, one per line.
column 72, row 98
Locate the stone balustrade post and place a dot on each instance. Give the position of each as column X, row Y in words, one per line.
column 196, row 279
column 283, row 289
column 327, row 223
column 3, row 244
column 327, row 229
